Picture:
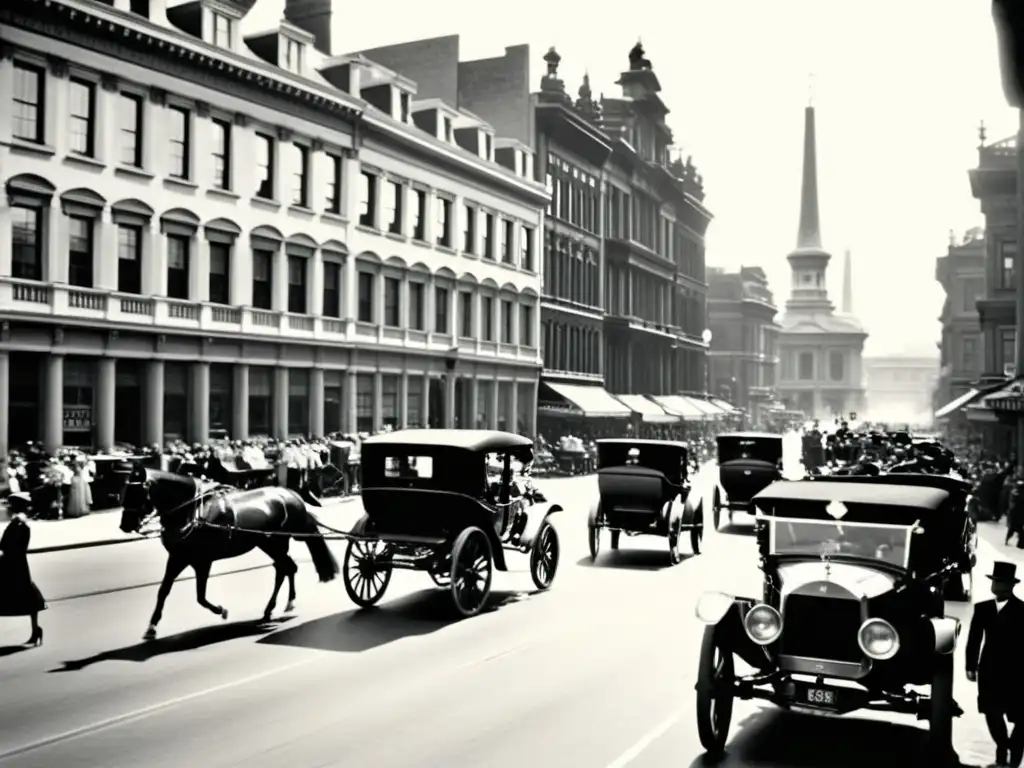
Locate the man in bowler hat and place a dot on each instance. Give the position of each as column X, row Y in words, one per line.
column 994, row 662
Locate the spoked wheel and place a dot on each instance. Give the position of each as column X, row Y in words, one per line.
column 715, row 676
column 366, row 571
column 716, row 507
column 544, row 556
column 940, row 720
column 472, row 570
column 615, row 539
column 594, row 533
column 675, row 555
column 697, row 533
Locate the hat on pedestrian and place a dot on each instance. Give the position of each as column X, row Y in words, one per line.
column 1004, row 572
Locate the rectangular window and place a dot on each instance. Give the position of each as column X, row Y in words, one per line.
column 506, row 322
column 368, row 199
column 297, row 285
column 836, row 366
column 1007, row 257
column 262, row 279
column 177, row 266
column 392, row 302
column 389, row 401
column 130, row 115
column 221, row 154
column 487, row 317
column 441, row 310
column 469, row 230
column 332, row 289
column 444, row 222
column 1008, row 347
column 178, row 135
column 364, row 403
column 419, row 231
column 488, row 236
column 222, row 30
column 82, row 113
column 80, row 251
column 333, row 199
column 129, row 259
column 28, row 122
column 526, row 249
column 26, row 243
column 969, row 353
column 393, row 207
column 220, row 273
column 416, row 306
column 549, row 182
column 261, row 399
column 298, row 401
column 806, row 366
column 367, row 283
column 525, row 325
column 264, row 166
column 300, row 175
column 507, row 236
column 466, row 314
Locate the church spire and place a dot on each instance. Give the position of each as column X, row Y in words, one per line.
column 847, row 283
column 809, row 233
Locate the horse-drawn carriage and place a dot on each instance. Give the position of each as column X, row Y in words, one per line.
column 748, row 462
column 645, row 491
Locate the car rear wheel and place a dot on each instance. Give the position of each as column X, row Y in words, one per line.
column 366, row 571
column 940, row 721
column 472, row 571
column 544, row 556
column 716, row 507
column 595, row 541
column 715, row 676
column 697, row 533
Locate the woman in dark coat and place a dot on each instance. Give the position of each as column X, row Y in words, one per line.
column 19, row 596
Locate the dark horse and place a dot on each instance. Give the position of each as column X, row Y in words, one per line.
column 264, row 518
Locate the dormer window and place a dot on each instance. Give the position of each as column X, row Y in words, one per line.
column 488, row 147
column 405, row 106
column 222, row 30
column 294, row 54
column 448, row 130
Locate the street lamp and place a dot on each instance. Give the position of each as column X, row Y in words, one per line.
column 706, row 337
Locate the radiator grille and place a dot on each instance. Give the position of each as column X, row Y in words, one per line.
column 821, row 628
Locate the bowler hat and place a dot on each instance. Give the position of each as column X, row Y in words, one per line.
column 1004, row 572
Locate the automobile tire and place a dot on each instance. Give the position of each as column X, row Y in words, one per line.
column 472, row 572
column 940, row 719
column 716, row 507
column 366, row 571
column 594, row 539
column 614, row 540
column 675, row 556
column 544, row 554
column 715, row 676
column 697, row 533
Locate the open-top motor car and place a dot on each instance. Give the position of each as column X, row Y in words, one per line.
column 432, row 505
column 644, row 488
column 747, row 463
column 851, row 616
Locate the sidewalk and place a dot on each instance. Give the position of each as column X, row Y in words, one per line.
column 102, row 528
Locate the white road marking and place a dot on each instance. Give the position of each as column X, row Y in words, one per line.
column 646, row 740
column 138, row 714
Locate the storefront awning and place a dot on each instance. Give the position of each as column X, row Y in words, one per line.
column 592, row 401
column 649, row 411
column 710, row 410
column 680, row 406
column 723, row 405
column 958, row 403
column 1008, row 398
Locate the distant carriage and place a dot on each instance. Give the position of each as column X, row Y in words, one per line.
column 748, row 462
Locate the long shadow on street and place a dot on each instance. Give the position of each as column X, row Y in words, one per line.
column 639, row 559
column 357, row 630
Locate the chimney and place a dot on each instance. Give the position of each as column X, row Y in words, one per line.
column 314, row 16
column 847, row 284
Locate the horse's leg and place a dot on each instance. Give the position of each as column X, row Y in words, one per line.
column 268, row 612
column 291, row 587
column 175, row 565
column 202, row 569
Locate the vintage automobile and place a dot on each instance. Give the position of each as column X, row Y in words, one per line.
column 851, row 616
column 645, row 491
column 960, row 583
column 431, row 506
column 747, row 463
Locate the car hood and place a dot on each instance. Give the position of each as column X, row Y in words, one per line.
column 860, row 581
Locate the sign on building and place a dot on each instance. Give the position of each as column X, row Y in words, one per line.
column 77, row 418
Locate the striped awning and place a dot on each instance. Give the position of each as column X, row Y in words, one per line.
column 680, row 406
column 1006, row 399
column 957, row 403
column 709, row 409
column 591, row 401
column 649, row 411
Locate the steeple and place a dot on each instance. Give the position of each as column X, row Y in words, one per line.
column 847, row 283
column 809, row 233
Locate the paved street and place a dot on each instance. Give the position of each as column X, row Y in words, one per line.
column 598, row 672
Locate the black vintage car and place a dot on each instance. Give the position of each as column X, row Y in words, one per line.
column 747, row 463
column 645, row 491
column 432, row 506
column 851, row 616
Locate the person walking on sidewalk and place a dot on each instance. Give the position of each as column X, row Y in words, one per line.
column 994, row 663
column 19, row 596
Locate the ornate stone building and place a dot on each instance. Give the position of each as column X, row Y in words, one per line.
column 820, row 349
column 900, row 388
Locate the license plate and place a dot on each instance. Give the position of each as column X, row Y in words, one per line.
column 819, row 697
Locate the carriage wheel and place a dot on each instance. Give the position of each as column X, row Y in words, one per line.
column 544, row 556
column 697, row 533
column 595, row 541
column 715, row 676
column 716, row 507
column 366, row 571
column 472, row 569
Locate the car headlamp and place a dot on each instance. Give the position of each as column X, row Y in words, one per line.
column 878, row 639
column 763, row 624
column 712, row 606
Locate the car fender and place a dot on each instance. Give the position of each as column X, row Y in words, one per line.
column 729, row 631
column 535, row 517
column 947, row 630
column 361, row 526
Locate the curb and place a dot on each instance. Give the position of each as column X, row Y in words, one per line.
column 88, row 544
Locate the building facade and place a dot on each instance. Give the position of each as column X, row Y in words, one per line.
column 744, row 340
column 961, row 272
column 217, row 235
column 820, row 350
column 900, row 389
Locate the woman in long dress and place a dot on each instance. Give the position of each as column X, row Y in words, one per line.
column 80, row 495
column 19, row 596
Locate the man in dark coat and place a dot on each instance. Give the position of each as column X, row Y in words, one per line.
column 993, row 662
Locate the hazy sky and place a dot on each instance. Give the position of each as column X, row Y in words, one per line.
column 900, row 88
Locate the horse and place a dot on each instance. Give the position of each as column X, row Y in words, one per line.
column 263, row 518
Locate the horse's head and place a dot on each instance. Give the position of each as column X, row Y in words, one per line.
column 151, row 492
column 136, row 505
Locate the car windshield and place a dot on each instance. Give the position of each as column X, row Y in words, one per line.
column 826, row 538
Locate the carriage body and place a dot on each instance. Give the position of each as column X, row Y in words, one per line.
column 644, row 489
column 851, row 616
column 430, row 502
column 748, row 462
